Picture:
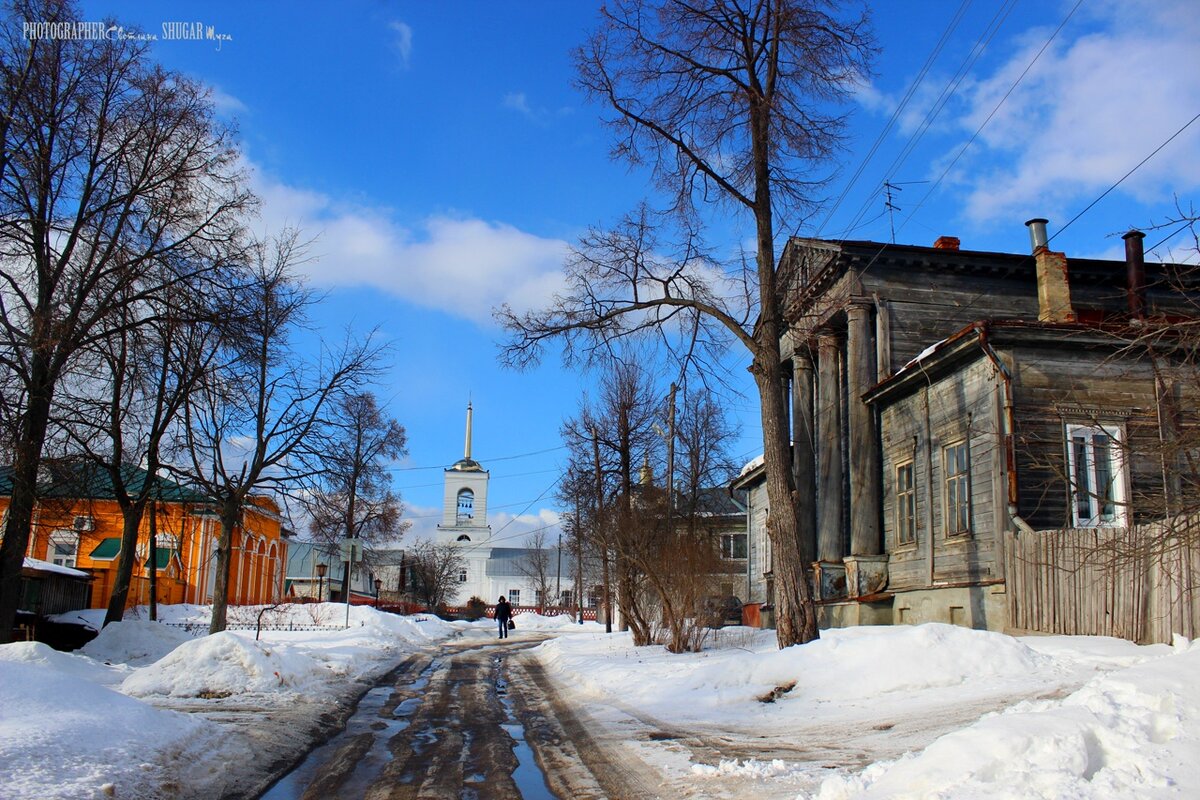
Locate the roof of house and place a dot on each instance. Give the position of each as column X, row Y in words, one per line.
column 508, row 562
column 87, row 481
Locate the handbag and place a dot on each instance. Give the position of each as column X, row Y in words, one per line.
column 511, row 624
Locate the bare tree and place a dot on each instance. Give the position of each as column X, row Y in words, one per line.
column 116, row 181
column 351, row 497
column 143, row 375
column 254, row 425
column 535, row 566
column 727, row 102
column 435, row 570
column 703, row 434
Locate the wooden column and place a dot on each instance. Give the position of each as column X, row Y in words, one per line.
column 864, row 443
column 829, row 449
column 804, row 454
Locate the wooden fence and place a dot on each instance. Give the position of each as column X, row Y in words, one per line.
column 1139, row 584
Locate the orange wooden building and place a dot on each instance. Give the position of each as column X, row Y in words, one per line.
column 77, row 523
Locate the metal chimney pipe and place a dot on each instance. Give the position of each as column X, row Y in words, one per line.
column 1135, row 260
column 1037, row 233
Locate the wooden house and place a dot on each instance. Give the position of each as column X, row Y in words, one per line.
column 945, row 401
column 77, row 523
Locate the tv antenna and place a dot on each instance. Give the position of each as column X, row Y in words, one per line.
column 888, row 188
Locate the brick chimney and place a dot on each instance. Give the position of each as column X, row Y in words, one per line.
column 946, row 243
column 1054, row 288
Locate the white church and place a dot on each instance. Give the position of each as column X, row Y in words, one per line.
column 491, row 572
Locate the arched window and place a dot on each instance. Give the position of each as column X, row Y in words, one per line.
column 463, row 538
column 466, row 507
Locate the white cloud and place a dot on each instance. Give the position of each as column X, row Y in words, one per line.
column 1090, row 110
column 461, row 265
column 517, row 101
column 508, row 530
column 225, row 103
column 402, row 40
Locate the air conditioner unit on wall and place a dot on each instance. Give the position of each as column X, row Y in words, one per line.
column 83, row 524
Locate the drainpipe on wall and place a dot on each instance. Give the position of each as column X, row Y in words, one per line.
column 1006, row 419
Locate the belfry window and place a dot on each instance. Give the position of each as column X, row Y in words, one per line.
column 466, row 507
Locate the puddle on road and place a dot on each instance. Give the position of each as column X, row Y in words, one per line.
column 530, row 780
column 369, row 717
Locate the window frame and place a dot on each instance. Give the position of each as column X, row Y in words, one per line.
column 1117, row 498
column 63, row 535
column 514, row 597
column 729, row 546
column 906, row 503
column 956, row 508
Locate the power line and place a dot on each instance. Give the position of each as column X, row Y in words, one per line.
column 1104, row 194
column 488, row 460
column 912, row 88
column 1003, row 99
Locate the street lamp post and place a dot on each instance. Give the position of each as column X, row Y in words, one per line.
column 321, row 569
column 378, row 586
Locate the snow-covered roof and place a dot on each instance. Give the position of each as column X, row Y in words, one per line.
column 46, row 566
column 752, row 465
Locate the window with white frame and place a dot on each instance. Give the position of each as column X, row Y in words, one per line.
column 462, row 576
column 733, row 546
column 957, row 470
column 906, row 504
column 63, row 548
column 1097, row 479
column 514, row 597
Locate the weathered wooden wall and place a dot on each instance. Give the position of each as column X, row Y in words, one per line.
column 960, row 406
column 1129, row 583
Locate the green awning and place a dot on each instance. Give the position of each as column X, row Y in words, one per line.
column 107, row 550
column 162, row 557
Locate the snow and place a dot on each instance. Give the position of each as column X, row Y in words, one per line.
column 47, row 566
column 929, row 711
column 752, row 465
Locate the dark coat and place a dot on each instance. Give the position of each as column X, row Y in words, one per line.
column 503, row 610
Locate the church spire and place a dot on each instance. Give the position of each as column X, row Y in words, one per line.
column 467, row 448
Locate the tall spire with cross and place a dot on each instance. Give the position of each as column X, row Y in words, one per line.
column 467, row 447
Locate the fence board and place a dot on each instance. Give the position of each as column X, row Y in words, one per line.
column 1106, row 582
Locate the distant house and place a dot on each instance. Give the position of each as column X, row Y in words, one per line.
column 77, row 524
column 953, row 408
column 317, row 571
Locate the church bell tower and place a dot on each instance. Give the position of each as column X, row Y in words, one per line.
column 464, row 500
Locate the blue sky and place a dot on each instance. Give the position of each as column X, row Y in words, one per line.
column 443, row 160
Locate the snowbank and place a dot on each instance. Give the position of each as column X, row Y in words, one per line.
column 62, row 736
column 1130, row 733
column 224, row 664
column 134, row 642
column 69, row 665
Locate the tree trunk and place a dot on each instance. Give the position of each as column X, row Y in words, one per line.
column 229, row 516
column 27, row 452
column 118, row 598
column 795, row 613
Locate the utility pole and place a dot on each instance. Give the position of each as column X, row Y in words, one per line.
column 578, row 559
column 670, row 456
column 558, row 573
column 600, row 538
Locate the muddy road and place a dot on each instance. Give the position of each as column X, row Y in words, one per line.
column 473, row 720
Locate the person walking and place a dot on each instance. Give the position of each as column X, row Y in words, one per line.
column 503, row 614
